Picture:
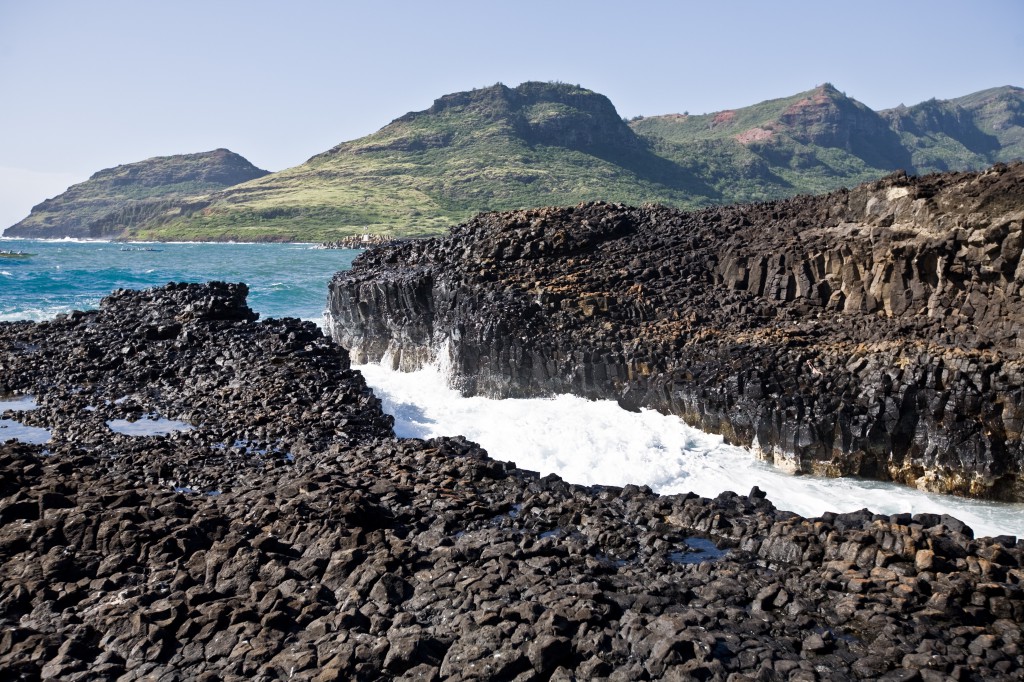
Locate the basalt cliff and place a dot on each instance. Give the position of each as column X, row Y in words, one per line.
column 869, row 332
column 281, row 531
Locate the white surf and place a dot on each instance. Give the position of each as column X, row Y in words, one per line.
column 597, row 442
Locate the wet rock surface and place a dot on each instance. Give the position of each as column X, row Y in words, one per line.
column 873, row 332
column 288, row 534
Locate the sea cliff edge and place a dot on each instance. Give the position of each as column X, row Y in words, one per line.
column 874, row 332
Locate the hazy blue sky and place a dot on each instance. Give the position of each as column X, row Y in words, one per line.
column 89, row 85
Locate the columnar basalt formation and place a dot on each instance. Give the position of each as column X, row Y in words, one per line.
column 873, row 332
column 288, row 534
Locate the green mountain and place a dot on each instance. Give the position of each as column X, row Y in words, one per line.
column 115, row 200
column 814, row 141
column 501, row 148
column 494, row 148
column 964, row 133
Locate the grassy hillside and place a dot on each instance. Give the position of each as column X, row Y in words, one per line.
column 116, row 199
column 495, row 148
column 814, row 141
column 964, row 133
column 999, row 112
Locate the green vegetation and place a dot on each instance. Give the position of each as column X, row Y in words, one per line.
column 491, row 149
column 114, row 200
column 815, row 141
column 501, row 148
column 963, row 133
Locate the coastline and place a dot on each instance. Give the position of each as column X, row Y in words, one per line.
column 77, row 240
column 596, row 442
column 340, row 549
column 289, row 281
column 872, row 332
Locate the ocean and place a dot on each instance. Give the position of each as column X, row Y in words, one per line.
column 588, row 442
column 285, row 280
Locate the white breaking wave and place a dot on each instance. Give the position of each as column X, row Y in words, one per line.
column 70, row 240
column 36, row 314
column 597, row 442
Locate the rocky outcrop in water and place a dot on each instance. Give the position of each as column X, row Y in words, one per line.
column 288, row 534
column 873, row 332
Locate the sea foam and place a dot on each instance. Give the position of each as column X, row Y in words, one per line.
column 597, row 442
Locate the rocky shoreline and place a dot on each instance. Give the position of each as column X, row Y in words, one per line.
column 358, row 241
column 289, row 534
column 874, row 332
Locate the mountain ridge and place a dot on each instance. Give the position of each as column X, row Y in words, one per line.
column 539, row 144
column 113, row 199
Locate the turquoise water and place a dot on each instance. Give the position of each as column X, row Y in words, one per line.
column 285, row 280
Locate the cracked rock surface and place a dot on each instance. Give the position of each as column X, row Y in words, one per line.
column 289, row 534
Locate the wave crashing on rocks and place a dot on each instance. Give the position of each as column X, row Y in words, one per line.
column 365, row 556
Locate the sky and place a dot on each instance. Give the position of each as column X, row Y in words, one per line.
column 90, row 85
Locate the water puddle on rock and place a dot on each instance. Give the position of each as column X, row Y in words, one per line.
column 18, row 403
column 698, row 550
column 11, row 429
column 148, row 425
column 189, row 490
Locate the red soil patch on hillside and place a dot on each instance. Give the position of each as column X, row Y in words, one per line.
column 753, row 135
column 723, row 117
column 819, row 98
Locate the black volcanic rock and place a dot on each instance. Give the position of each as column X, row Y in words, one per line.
column 118, row 198
column 288, row 534
column 873, row 332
